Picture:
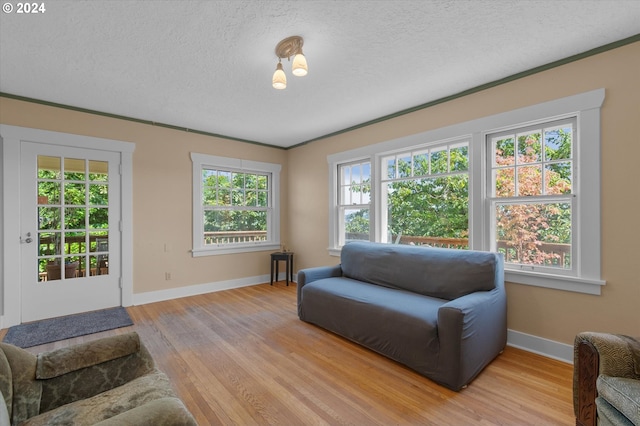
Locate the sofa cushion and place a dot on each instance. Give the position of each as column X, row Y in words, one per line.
column 399, row 324
column 442, row 273
column 108, row 404
column 622, row 393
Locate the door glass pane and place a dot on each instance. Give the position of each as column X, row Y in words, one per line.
column 48, row 167
column 99, row 195
column 74, row 169
column 98, row 171
column 48, row 192
column 74, row 194
column 74, row 218
column 98, row 218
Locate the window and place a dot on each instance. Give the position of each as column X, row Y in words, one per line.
column 531, row 196
column 524, row 183
column 236, row 205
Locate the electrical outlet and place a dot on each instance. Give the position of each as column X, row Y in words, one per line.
column 167, row 276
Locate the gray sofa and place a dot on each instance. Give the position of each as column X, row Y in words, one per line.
column 441, row 312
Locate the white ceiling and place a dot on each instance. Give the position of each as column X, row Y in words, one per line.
column 207, row 65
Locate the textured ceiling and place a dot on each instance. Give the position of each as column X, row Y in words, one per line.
column 207, row 65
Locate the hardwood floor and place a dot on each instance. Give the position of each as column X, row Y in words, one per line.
column 243, row 357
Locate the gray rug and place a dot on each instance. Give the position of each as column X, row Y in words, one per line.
column 61, row 328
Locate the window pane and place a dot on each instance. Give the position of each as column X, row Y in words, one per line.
column 234, row 226
column 504, row 150
column 529, row 148
column 529, row 180
column 557, row 143
column 404, row 166
column 557, row 178
column 391, row 167
column 504, row 182
column 439, row 161
column 421, row 164
column 429, row 211
column 356, row 225
column 535, row 233
column 262, row 182
column 459, row 158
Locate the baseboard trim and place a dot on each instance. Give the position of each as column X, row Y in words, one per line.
column 194, row 290
column 540, row 346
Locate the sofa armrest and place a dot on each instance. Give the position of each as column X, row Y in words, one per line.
column 314, row 274
column 91, row 368
column 472, row 330
column 595, row 354
column 308, row 275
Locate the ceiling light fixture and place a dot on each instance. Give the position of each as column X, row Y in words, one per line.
column 290, row 46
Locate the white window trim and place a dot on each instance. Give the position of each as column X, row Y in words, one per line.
column 273, row 227
column 585, row 106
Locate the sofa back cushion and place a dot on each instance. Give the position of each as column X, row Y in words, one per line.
column 435, row 272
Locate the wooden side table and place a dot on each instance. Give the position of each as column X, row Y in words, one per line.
column 287, row 257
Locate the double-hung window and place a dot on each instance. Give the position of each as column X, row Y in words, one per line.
column 236, row 205
column 524, row 183
column 531, row 194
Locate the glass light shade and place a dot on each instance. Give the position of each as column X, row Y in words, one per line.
column 279, row 80
column 299, row 67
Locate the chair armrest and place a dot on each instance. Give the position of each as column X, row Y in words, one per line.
column 91, row 368
column 159, row 412
column 65, row 360
column 472, row 330
column 595, row 354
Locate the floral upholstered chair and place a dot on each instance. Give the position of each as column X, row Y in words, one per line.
column 606, row 380
column 110, row 381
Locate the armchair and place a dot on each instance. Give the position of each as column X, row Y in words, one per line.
column 110, row 381
column 606, row 380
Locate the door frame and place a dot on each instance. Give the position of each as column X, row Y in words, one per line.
column 10, row 252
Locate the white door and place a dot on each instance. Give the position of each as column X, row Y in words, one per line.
column 70, row 230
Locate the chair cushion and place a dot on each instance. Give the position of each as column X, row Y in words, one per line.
column 623, row 394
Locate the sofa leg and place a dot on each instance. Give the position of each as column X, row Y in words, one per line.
column 588, row 362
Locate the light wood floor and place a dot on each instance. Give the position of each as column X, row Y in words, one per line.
column 243, row 357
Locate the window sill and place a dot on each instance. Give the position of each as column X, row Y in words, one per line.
column 220, row 250
column 558, row 282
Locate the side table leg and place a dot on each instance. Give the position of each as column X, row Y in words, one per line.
column 271, row 275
